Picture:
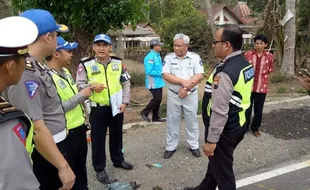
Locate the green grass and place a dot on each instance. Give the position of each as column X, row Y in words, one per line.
column 281, row 90
column 137, row 78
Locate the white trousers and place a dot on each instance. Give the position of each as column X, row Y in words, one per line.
column 175, row 107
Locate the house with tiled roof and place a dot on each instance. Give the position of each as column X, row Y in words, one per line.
column 239, row 14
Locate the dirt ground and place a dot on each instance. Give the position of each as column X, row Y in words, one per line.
column 288, row 124
column 140, row 96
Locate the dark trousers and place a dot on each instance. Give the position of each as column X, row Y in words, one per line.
column 100, row 119
column 257, row 101
column 154, row 103
column 76, row 144
column 45, row 172
column 220, row 168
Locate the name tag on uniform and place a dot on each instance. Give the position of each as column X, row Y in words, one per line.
column 61, row 84
column 115, row 67
column 174, row 63
column 94, row 69
column 248, row 74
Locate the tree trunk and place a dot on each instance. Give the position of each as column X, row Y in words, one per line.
column 210, row 16
column 288, row 63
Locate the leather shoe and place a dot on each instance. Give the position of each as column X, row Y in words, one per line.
column 145, row 117
column 256, row 133
column 168, row 154
column 195, row 152
column 124, row 165
column 159, row 120
column 104, row 178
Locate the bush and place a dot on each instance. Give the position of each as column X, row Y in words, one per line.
column 137, row 78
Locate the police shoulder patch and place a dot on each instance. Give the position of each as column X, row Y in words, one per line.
column 248, row 74
column 31, row 87
column 216, row 82
column 20, row 133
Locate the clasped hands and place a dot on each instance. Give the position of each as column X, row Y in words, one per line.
column 187, row 85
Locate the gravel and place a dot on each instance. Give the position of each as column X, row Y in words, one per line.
column 146, row 145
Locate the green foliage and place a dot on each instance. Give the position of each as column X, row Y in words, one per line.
column 303, row 14
column 89, row 15
column 137, row 78
column 181, row 16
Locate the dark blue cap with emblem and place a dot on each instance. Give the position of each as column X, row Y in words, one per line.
column 15, row 34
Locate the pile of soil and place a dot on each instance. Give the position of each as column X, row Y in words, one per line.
column 287, row 123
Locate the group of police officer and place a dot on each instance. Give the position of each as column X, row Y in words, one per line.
column 41, row 108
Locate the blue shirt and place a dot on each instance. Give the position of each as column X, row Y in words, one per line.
column 153, row 70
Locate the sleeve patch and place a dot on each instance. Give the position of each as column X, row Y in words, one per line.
column 20, row 133
column 216, row 82
column 80, row 69
column 151, row 61
column 200, row 62
column 32, row 87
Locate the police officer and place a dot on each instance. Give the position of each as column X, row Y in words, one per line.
column 110, row 81
column 182, row 70
column 16, row 131
column 153, row 81
column 36, row 95
column 226, row 98
column 72, row 101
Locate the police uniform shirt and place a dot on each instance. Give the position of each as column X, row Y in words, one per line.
column 36, row 95
column 184, row 68
column 75, row 100
column 82, row 79
column 15, row 171
column 222, row 89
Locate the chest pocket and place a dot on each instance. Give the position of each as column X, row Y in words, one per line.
column 190, row 69
column 175, row 69
column 49, row 85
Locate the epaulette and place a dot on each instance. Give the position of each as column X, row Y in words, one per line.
column 29, row 65
column 5, row 106
column 86, row 59
column 116, row 58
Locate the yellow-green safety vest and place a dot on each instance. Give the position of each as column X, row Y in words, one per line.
column 108, row 75
column 66, row 89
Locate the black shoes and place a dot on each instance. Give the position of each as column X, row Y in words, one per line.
column 168, row 154
column 159, row 120
column 145, row 117
column 124, row 165
column 104, row 178
column 195, row 152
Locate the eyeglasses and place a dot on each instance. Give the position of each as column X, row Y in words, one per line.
column 214, row 42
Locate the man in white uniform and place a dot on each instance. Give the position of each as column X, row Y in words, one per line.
column 182, row 70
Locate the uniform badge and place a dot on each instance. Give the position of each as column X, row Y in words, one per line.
column 80, row 69
column 115, row 67
column 20, row 133
column 94, row 69
column 216, row 82
column 61, row 84
column 151, row 61
column 32, row 87
column 248, row 74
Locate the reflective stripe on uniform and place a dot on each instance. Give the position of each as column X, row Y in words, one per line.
column 60, row 136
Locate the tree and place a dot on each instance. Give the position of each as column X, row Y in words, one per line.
column 4, row 8
column 90, row 15
column 288, row 63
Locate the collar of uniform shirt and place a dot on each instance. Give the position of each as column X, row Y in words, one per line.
column 104, row 63
column 188, row 54
column 233, row 54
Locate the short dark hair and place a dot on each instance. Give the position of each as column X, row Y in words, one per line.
column 233, row 34
column 152, row 46
column 262, row 38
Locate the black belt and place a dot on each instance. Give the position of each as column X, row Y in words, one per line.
column 178, row 93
